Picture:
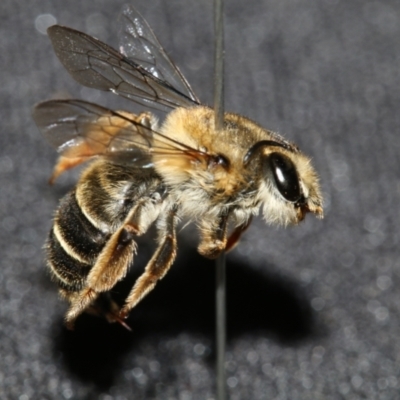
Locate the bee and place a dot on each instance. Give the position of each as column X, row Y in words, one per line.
column 145, row 173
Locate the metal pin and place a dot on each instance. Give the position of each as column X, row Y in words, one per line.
column 220, row 262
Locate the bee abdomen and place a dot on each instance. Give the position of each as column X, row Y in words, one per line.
column 73, row 245
column 77, row 233
column 68, row 272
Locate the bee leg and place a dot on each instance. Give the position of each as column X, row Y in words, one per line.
column 112, row 263
column 213, row 237
column 159, row 264
column 234, row 237
column 111, row 266
column 104, row 306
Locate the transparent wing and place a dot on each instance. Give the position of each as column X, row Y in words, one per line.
column 95, row 64
column 83, row 130
column 139, row 43
column 79, row 129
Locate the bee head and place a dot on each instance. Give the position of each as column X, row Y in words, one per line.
column 288, row 184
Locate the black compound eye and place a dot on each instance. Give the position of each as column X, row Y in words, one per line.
column 285, row 176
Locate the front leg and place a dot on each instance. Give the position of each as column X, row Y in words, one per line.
column 213, row 236
column 235, row 236
column 159, row 264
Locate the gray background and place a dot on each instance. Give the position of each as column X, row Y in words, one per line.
column 313, row 310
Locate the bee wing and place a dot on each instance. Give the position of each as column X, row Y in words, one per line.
column 139, row 43
column 97, row 65
column 80, row 130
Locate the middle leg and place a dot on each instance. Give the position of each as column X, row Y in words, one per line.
column 159, row 264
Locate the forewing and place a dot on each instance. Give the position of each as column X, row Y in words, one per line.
column 97, row 65
column 82, row 130
column 79, row 129
column 139, row 43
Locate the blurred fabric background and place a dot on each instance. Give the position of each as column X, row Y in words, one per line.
column 313, row 310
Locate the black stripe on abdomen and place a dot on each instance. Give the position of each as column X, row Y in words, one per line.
column 69, row 273
column 77, row 231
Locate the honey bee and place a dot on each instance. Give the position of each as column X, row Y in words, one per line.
column 143, row 172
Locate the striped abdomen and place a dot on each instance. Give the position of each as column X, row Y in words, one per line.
column 87, row 217
column 73, row 245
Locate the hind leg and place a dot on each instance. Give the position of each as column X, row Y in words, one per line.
column 114, row 260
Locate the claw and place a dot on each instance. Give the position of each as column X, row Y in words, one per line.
column 123, row 323
column 112, row 317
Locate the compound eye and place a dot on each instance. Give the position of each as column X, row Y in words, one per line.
column 285, row 176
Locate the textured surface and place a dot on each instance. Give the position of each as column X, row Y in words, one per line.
column 313, row 310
